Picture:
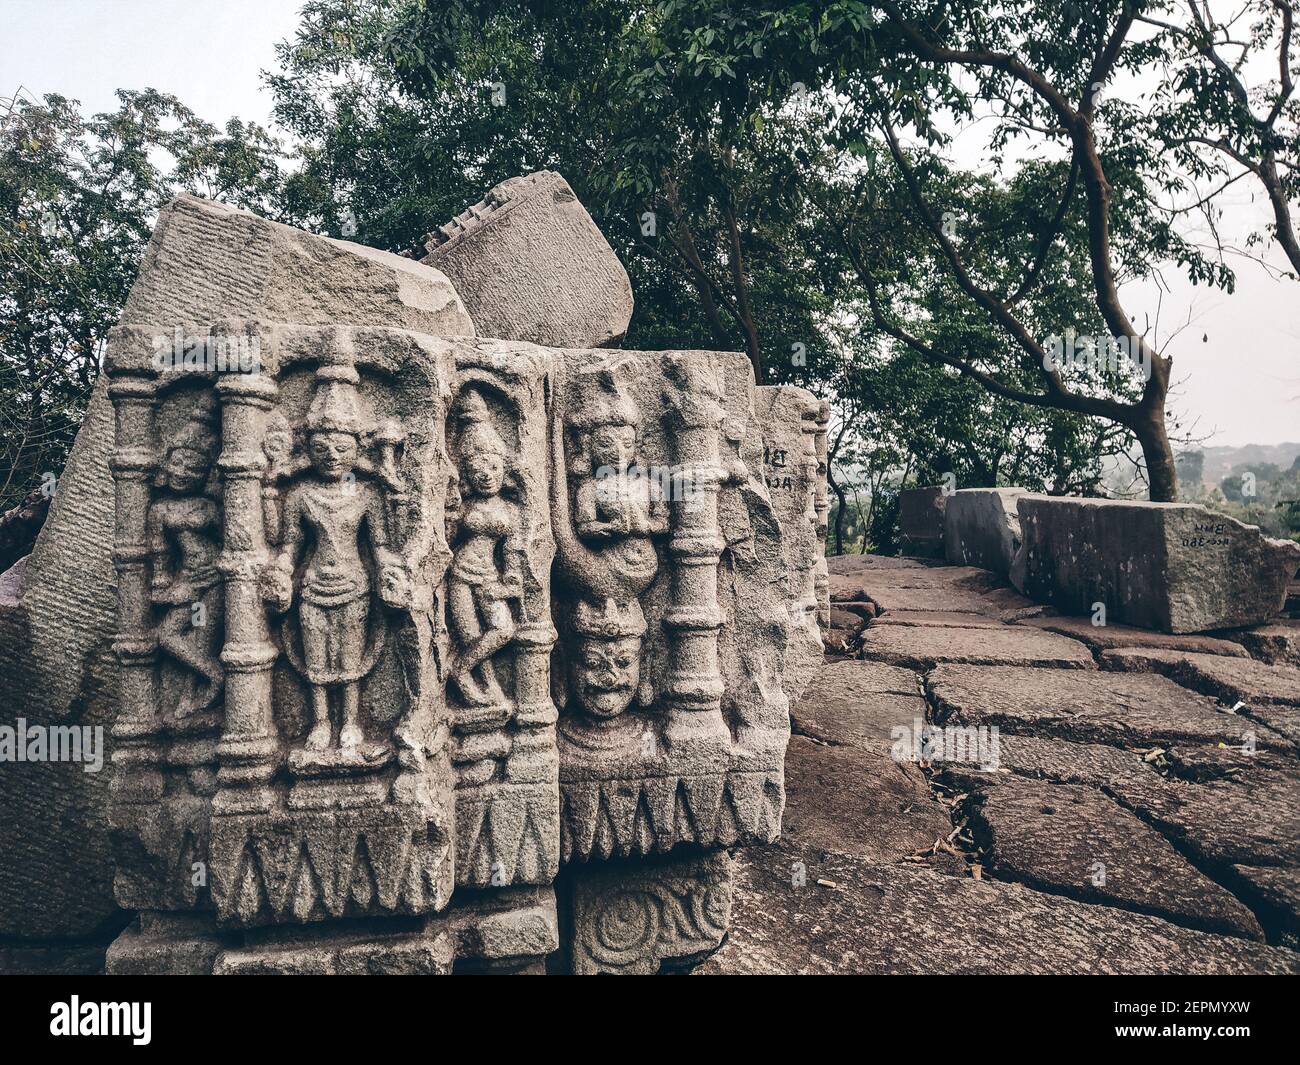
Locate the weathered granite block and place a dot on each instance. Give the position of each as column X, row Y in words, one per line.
column 981, row 527
column 531, row 265
column 921, row 521
column 1174, row 567
column 205, row 262
column 403, row 616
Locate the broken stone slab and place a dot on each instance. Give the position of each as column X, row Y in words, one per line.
column 944, row 619
column 849, row 915
column 1251, row 820
column 531, row 265
column 1277, row 643
column 1088, row 707
column 981, row 527
column 1275, row 893
column 1110, row 637
column 1074, row 841
column 859, row 704
column 1229, row 679
column 925, row 647
column 1174, row 567
column 921, row 521
column 856, row 802
column 1061, row 761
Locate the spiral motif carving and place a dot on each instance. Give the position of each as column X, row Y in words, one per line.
column 625, row 927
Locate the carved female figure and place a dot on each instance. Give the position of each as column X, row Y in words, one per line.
column 333, row 516
column 487, row 564
column 183, row 529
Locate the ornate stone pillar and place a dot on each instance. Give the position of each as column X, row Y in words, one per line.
column 693, row 685
column 248, row 749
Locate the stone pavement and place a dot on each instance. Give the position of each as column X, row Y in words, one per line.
column 978, row 785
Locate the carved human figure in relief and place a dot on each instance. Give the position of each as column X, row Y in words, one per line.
column 614, row 497
column 184, row 530
column 336, row 519
column 487, row 562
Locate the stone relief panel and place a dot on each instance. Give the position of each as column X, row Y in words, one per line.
column 324, row 786
column 681, row 637
column 498, row 632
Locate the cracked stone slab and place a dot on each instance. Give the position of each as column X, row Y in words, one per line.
column 951, row 600
column 1062, row 761
column 1277, row 643
column 1109, row 637
column 858, row 704
column 1276, row 892
column 1129, row 710
column 846, row 800
column 865, row 918
column 1252, row 821
column 946, row 619
column 1075, row 841
column 1229, row 679
column 923, row 648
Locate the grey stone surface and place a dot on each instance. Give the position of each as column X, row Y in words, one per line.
column 1087, row 707
column 950, row 619
column 924, row 647
column 853, row 916
column 857, row 802
column 1254, row 820
column 920, row 521
column 1062, row 761
column 1074, row 841
column 1169, row 566
column 1109, row 637
column 531, row 265
column 859, row 704
column 981, row 527
column 1228, row 679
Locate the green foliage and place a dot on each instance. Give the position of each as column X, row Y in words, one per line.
column 78, row 197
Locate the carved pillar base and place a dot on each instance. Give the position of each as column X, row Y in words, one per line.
column 506, row 931
column 645, row 917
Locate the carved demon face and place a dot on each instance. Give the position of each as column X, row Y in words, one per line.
column 334, row 454
column 185, row 470
column 605, row 674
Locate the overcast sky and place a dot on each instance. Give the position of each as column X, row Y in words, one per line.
column 1238, row 362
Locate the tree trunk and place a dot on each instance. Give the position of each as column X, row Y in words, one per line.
column 1162, row 480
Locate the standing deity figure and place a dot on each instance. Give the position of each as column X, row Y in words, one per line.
column 487, row 562
column 337, row 519
column 183, row 530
